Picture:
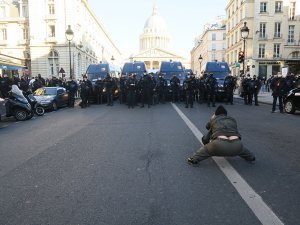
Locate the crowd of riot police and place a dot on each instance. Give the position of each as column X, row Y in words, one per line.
column 151, row 89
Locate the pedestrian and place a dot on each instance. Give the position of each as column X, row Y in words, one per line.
column 222, row 139
column 247, row 94
column 278, row 87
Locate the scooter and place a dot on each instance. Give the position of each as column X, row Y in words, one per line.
column 35, row 106
column 17, row 105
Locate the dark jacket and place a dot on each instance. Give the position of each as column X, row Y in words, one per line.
column 222, row 125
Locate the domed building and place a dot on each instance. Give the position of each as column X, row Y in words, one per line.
column 155, row 43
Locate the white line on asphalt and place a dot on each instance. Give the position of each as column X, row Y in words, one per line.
column 265, row 215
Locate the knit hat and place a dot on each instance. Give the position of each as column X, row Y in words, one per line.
column 220, row 111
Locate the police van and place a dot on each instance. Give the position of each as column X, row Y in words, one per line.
column 136, row 67
column 94, row 71
column 220, row 70
column 170, row 68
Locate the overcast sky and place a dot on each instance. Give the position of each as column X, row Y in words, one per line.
column 124, row 20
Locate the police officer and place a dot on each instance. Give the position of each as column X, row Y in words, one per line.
column 189, row 87
column 72, row 88
column 99, row 85
column 211, row 84
column 85, row 90
column 145, row 88
column 131, row 85
column 161, row 88
column 229, row 85
column 202, row 88
column 246, row 90
column 255, row 87
column 175, row 87
column 109, row 84
column 122, row 97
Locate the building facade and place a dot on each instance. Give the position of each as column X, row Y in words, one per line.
column 34, row 31
column 155, row 44
column 273, row 42
column 210, row 45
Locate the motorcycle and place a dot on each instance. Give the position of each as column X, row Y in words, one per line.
column 35, row 105
column 17, row 105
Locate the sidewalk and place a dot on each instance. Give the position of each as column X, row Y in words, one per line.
column 263, row 97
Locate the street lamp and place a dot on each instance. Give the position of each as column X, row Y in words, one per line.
column 244, row 34
column 112, row 59
column 69, row 35
column 200, row 59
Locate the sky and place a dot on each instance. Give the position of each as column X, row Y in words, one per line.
column 124, row 20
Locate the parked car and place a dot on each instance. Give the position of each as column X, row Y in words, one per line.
column 52, row 98
column 292, row 101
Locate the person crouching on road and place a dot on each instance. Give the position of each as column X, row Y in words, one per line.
column 222, row 139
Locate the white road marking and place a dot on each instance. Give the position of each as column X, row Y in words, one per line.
column 261, row 210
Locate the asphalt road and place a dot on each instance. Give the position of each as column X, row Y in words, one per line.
column 120, row 166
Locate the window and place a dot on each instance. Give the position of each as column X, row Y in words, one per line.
column 277, row 30
column 213, row 36
column 263, row 7
column 213, row 56
column 295, row 55
column 24, row 11
column 51, row 32
column 291, row 34
column 53, row 61
column 3, row 34
column 278, row 7
column 2, row 11
column 292, row 10
column 224, row 36
column 25, row 34
column 261, row 50
column 224, row 46
column 262, row 30
column 51, row 9
column 276, row 53
column 213, row 47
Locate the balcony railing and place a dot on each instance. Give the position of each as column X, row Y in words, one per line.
column 263, row 36
column 293, row 43
column 51, row 40
column 277, row 35
column 277, row 56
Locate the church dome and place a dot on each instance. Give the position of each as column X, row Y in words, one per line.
column 155, row 23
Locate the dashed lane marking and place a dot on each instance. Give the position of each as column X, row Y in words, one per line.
column 255, row 202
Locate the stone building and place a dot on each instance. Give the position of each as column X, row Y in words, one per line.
column 34, row 31
column 211, row 45
column 274, row 36
column 155, row 44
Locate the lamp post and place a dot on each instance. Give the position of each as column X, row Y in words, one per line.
column 200, row 61
column 244, row 34
column 112, row 59
column 69, row 35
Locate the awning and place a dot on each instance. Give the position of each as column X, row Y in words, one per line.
column 11, row 66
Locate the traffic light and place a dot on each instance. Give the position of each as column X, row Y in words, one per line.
column 241, row 56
